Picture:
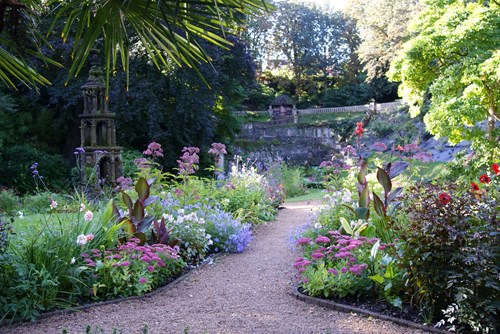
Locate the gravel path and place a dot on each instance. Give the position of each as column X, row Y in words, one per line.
column 238, row 293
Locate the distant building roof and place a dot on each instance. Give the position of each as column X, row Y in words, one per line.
column 282, row 100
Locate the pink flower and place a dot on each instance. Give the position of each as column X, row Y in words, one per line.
column 53, row 204
column 150, row 268
column 217, row 149
column 143, row 280
column 154, row 150
column 343, row 270
column 88, row 216
column 125, row 264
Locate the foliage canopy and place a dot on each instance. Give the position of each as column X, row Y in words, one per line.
column 453, row 61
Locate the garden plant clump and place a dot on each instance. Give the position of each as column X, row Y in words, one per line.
column 66, row 250
column 429, row 249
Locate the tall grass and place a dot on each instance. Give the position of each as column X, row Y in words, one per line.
column 293, row 181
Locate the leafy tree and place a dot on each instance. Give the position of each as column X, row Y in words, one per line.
column 169, row 31
column 382, row 26
column 453, row 60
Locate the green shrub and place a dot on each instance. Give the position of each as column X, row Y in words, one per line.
column 293, row 181
column 40, row 268
column 9, row 202
column 16, row 172
column 451, row 253
column 40, row 202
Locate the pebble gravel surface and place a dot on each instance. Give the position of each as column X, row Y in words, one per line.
column 237, row 293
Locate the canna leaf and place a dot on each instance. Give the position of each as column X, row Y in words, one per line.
column 128, row 226
column 393, row 195
column 346, row 226
column 364, row 198
column 362, row 172
column 362, row 213
column 384, row 179
column 378, row 205
column 142, row 189
column 138, row 211
column 145, row 224
column 397, row 168
column 128, row 202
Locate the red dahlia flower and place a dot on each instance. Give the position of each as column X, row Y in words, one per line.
column 444, row 198
column 484, row 178
column 496, row 168
column 474, row 186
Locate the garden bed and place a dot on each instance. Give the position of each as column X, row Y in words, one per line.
column 167, row 285
column 369, row 309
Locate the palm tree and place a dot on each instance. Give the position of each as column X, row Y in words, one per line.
column 168, row 31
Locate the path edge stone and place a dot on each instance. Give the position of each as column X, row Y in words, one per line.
column 351, row 309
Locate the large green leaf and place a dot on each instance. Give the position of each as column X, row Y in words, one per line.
column 364, row 197
column 363, row 170
column 346, row 226
column 378, row 205
column 142, row 189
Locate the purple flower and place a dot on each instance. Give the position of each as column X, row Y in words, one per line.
column 333, row 271
column 150, row 268
column 125, row 264
column 145, row 258
column 343, row 255
column 322, row 239
column 143, row 280
column 357, row 269
column 303, row 241
column 343, row 270
column 343, row 242
column 90, row 263
column 79, row 150
column 317, row 255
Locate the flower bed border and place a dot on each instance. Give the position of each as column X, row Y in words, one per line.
column 208, row 261
column 349, row 309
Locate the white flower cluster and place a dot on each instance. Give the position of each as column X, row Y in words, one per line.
column 339, row 197
column 246, row 177
column 182, row 218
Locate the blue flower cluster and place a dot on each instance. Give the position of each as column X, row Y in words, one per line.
column 228, row 234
